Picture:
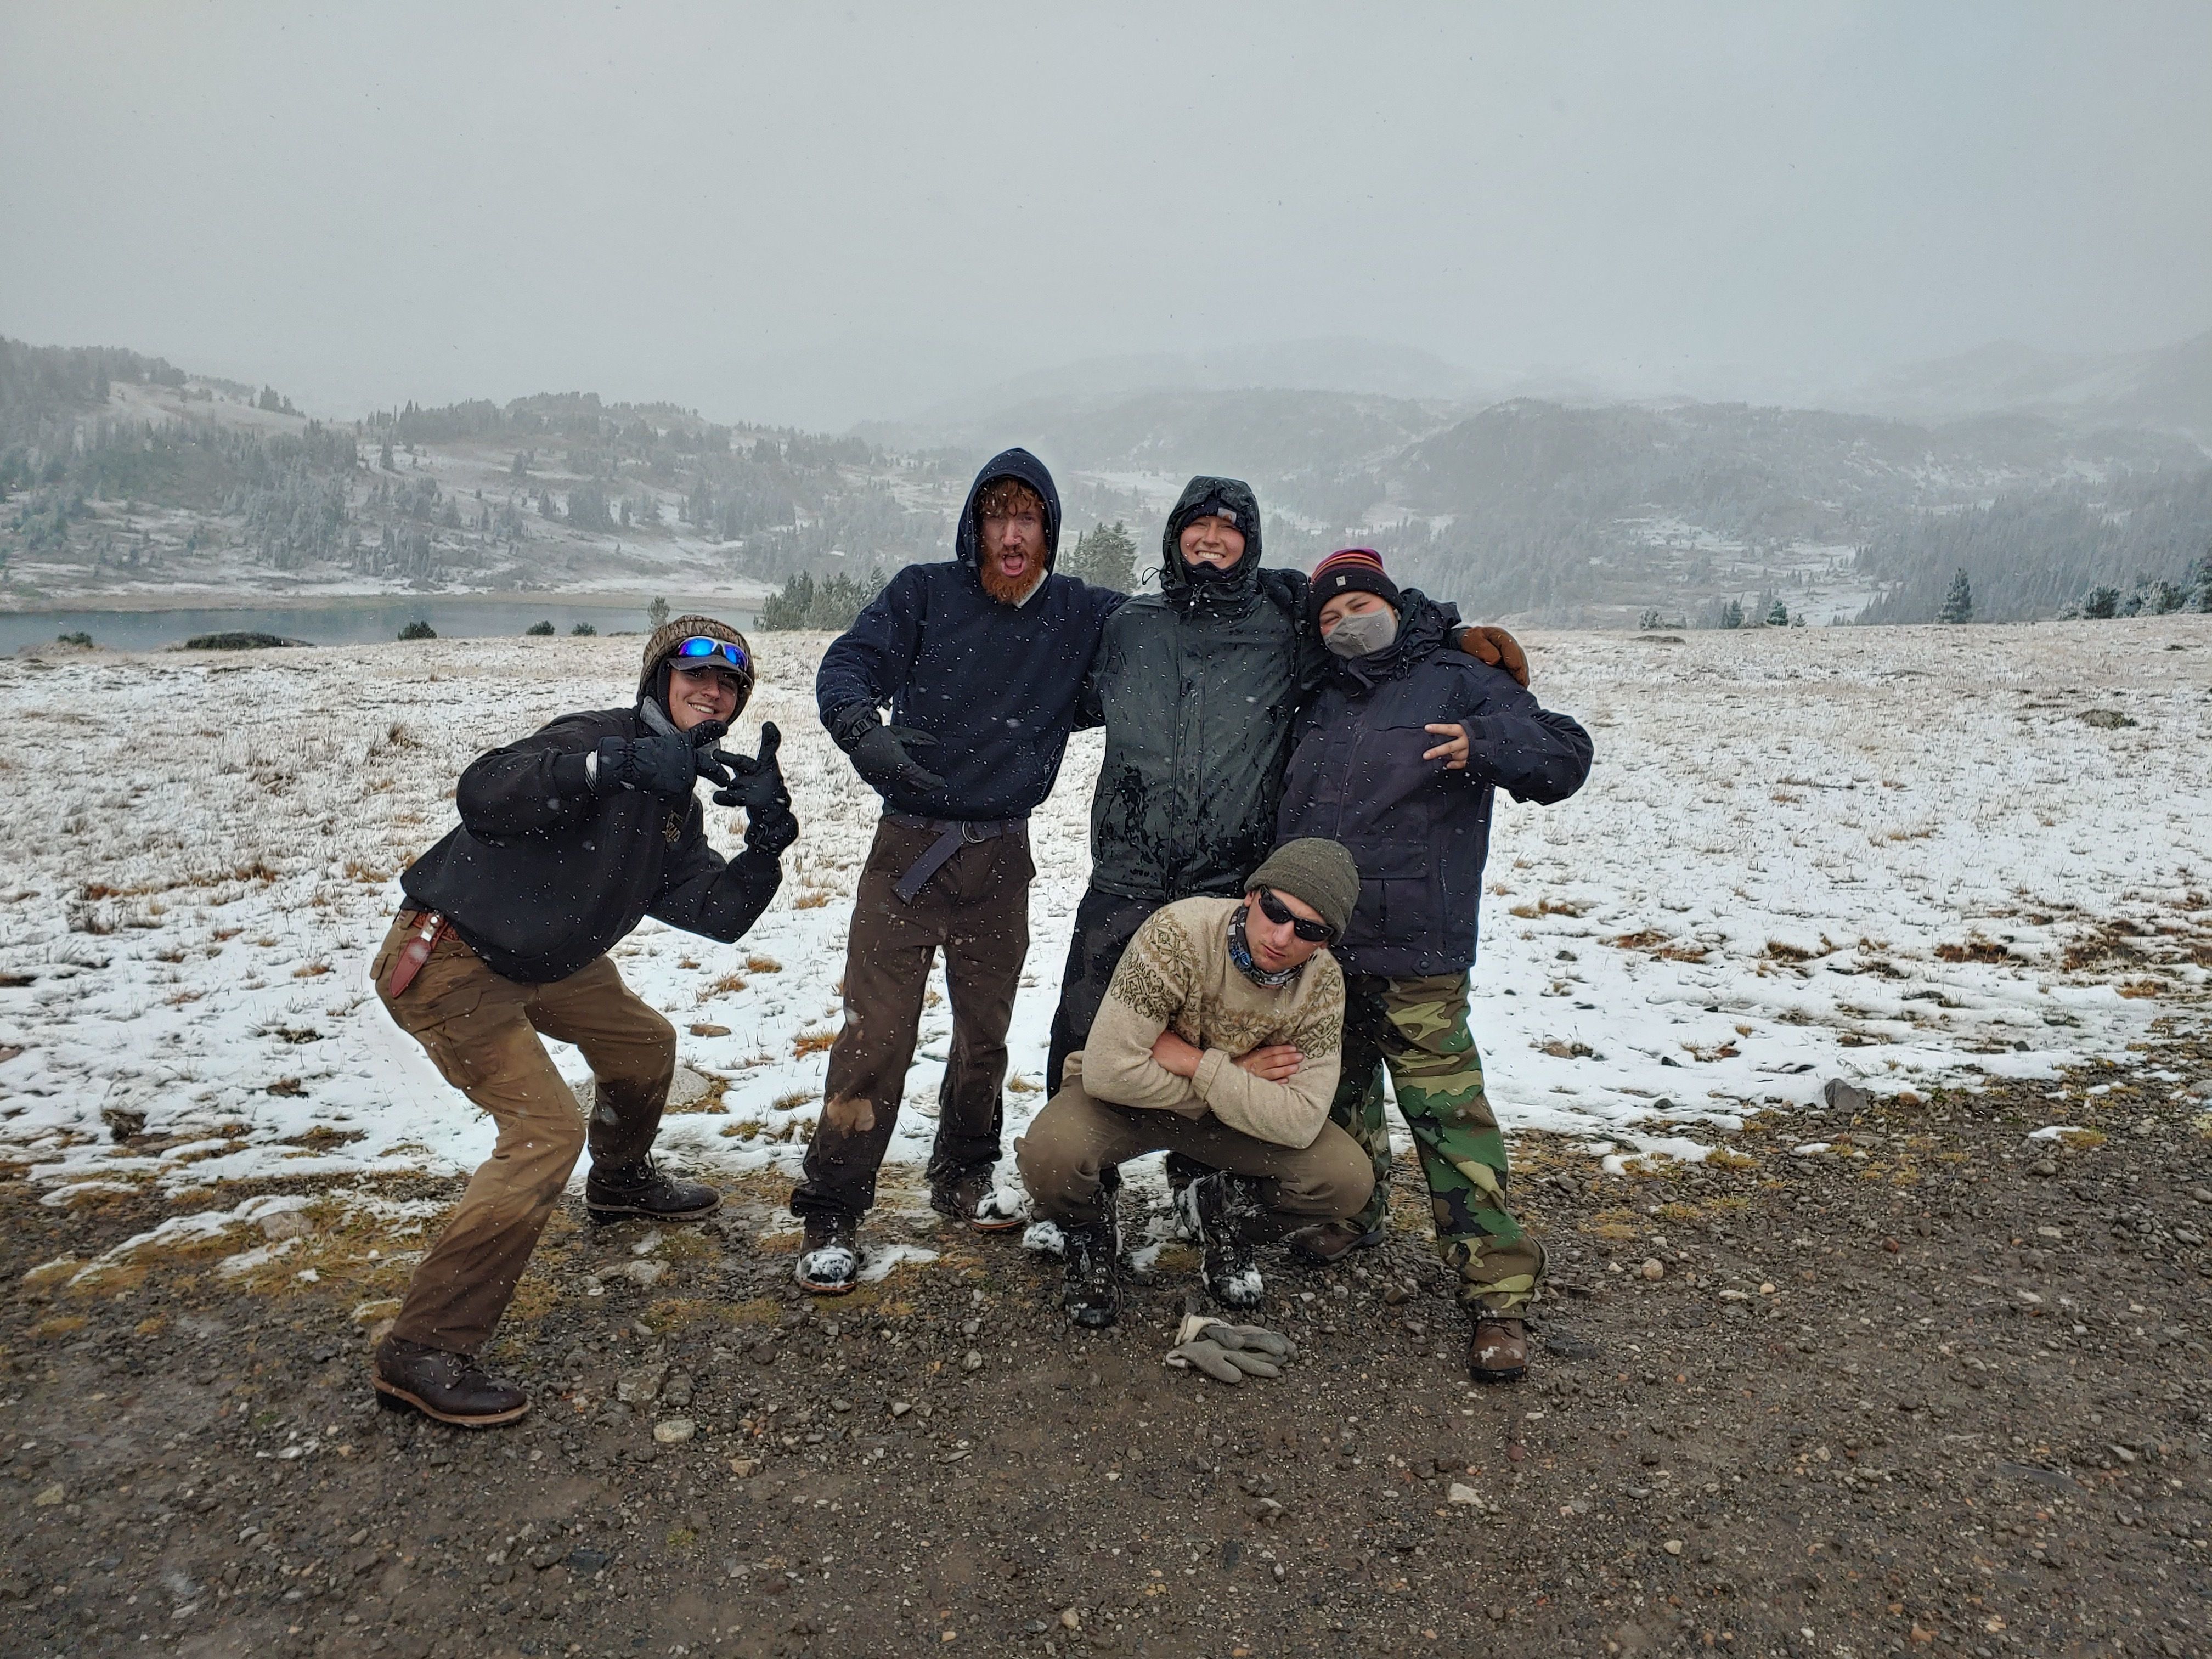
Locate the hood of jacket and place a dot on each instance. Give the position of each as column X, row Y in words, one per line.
column 1206, row 493
column 1424, row 627
column 1010, row 464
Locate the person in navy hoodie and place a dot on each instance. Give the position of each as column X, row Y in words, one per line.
column 982, row 661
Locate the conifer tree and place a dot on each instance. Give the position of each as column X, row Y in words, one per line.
column 1959, row 602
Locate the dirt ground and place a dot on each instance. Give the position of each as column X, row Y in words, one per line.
column 1938, row 1387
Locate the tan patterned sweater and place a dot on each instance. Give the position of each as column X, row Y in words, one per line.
column 1176, row 975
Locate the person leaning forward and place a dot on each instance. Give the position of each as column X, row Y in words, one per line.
column 566, row 839
column 1219, row 1039
column 981, row 659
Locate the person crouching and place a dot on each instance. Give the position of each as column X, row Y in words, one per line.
column 567, row 839
column 1218, row 1038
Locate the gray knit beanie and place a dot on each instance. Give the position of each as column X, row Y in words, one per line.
column 1319, row 871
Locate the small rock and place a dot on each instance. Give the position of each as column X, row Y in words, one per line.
column 900, row 1408
column 286, row 1224
column 642, row 1386
column 1653, row 1268
column 1672, row 1547
column 53, row 1495
column 705, row 1028
column 972, row 1361
column 745, row 1468
column 1735, row 1296
column 1461, row 1492
column 1841, row 1096
column 1070, row 1619
column 674, row 1430
column 2043, row 1167
column 1396, row 1295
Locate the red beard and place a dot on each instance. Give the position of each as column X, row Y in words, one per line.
column 1007, row 590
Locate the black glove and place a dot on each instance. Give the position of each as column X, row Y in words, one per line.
column 771, row 830
column 754, row 783
column 881, row 758
column 659, row 765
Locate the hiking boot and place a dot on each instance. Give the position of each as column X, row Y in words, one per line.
column 1499, row 1352
column 1228, row 1206
column 829, row 1260
column 449, row 1387
column 618, row 1192
column 974, row 1198
column 1330, row 1242
column 1092, row 1272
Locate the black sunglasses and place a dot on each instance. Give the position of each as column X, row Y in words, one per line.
column 699, row 646
column 1314, row 933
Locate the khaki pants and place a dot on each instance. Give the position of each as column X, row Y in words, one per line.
column 481, row 1031
column 976, row 910
column 1076, row 1136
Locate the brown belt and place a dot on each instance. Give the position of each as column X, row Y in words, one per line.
column 429, row 928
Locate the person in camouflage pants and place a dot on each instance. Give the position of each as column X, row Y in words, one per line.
column 1418, row 1028
column 1400, row 758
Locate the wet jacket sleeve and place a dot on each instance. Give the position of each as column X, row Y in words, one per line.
column 869, row 661
column 1514, row 742
column 529, row 787
column 703, row 893
column 1151, row 984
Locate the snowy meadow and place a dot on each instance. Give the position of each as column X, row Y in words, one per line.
column 1902, row 858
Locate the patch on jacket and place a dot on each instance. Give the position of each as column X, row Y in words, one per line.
column 672, row 831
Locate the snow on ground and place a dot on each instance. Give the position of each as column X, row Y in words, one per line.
column 1897, row 856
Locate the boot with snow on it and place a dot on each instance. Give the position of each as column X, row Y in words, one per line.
column 974, row 1199
column 1228, row 1210
column 620, row 1192
column 829, row 1260
column 1499, row 1350
column 1092, row 1272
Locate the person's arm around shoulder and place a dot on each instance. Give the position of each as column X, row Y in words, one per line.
column 1291, row 1111
column 538, row 784
column 1155, row 980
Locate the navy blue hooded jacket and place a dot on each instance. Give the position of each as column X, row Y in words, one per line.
column 997, row 685
column 1419, row 833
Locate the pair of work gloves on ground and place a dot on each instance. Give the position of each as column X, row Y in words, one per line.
column 1229, row 1354
column 671, row 763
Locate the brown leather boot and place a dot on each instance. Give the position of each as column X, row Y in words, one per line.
column 1499, row 1352
column 449, row 1387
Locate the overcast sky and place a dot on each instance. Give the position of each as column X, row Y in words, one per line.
column 822, row 214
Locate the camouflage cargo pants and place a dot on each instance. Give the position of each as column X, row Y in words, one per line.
column 1418, row 1028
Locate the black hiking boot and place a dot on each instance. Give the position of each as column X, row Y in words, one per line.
column 1090, row 1259
column 1228, row 1209
column 449, row 1387
column 829, row 1260
column 618, row 1192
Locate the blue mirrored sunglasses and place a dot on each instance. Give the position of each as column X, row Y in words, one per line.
column 699, row 646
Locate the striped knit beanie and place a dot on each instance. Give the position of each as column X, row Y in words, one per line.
column 1346, row 570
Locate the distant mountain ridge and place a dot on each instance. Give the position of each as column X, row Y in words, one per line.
column 2168, row 388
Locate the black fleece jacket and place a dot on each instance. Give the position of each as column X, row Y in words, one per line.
column 542, row 876
column 996, row 684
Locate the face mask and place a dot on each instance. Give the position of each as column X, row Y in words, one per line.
column 1363, row 633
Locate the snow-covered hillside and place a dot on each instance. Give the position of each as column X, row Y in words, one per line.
column 1900, row 856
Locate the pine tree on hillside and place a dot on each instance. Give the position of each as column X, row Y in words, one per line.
column 1779, row 617
column 1105, row 558
column 1959, row 602
column 656, row 614
column 1732, row 614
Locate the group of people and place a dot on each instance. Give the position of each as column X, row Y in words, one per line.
column 1288, row 836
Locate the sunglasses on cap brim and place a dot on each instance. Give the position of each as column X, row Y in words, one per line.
column 1314, row 933
column 700, row 652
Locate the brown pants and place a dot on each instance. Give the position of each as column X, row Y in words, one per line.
column 1076, row 1136
column 481, row 1031
column 976, row 910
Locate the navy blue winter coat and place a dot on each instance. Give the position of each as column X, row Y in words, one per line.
column 997, row 685
column 1419, row 833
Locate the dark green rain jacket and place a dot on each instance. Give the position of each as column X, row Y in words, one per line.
column 1199, row 687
